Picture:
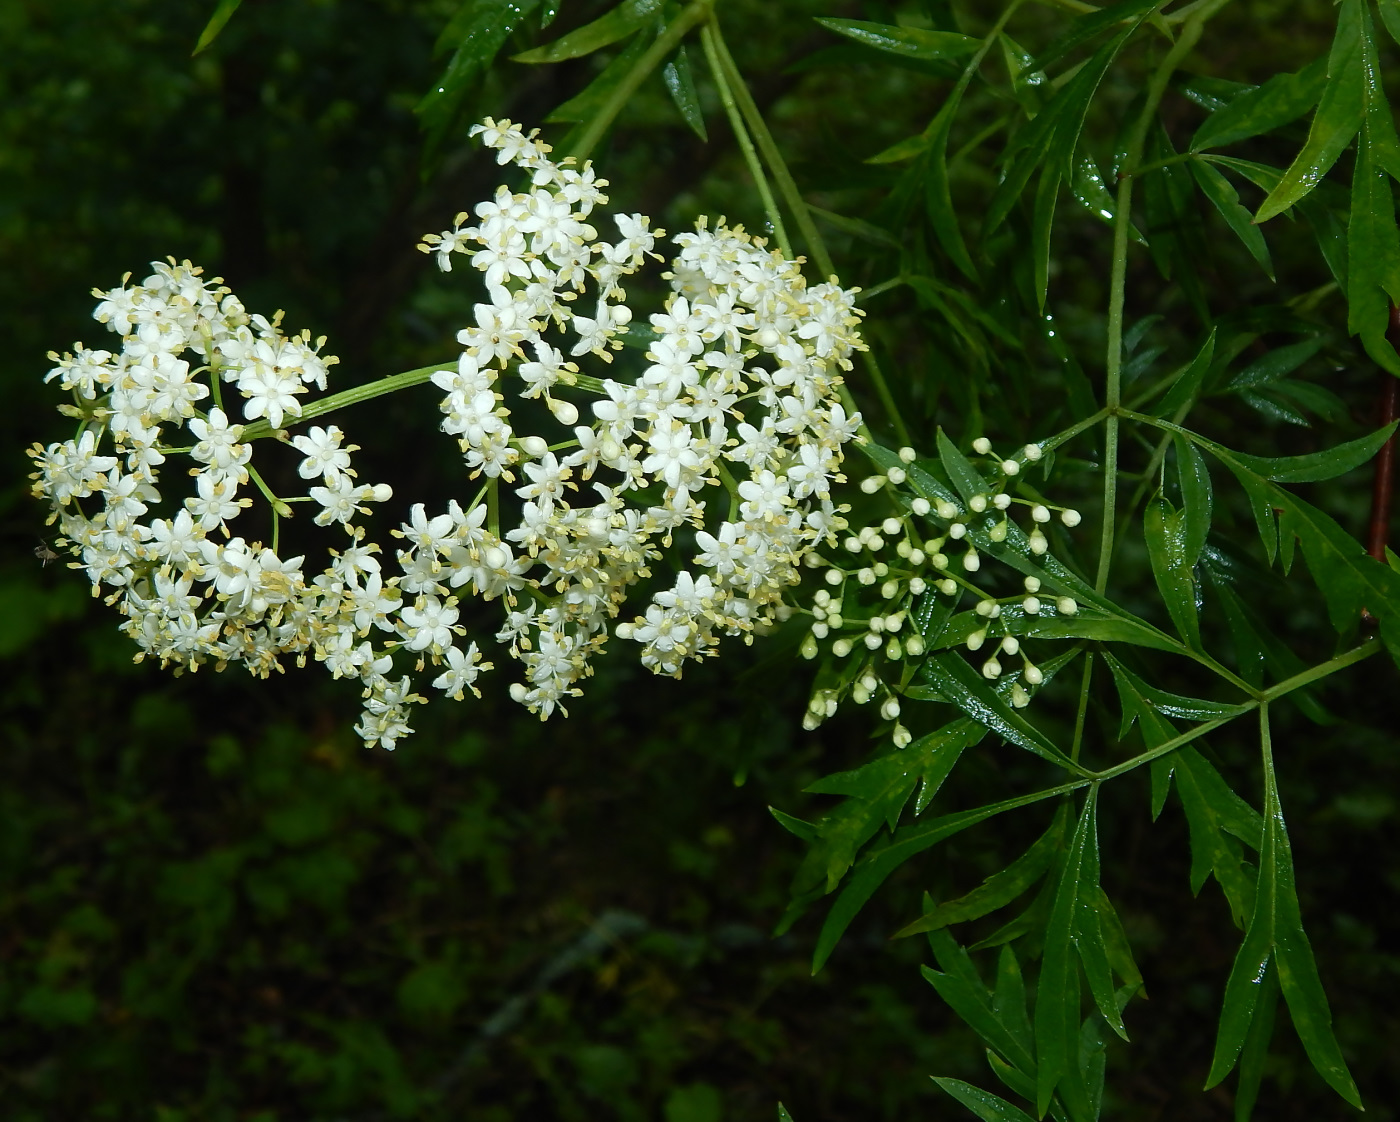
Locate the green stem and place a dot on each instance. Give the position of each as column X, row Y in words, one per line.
column 1322, row 670
column 352, row 396
column 882, row 391
column 691, row 15
column 1083, row 709
column 787, row 186
column 741, row 134
column 877, row 289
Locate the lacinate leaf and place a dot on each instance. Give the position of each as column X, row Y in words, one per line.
column 1164, row 528
column 959, row 984
column 1196, row 497
column 1373, row 250
column 984, row 1104
column 1283, row 98
column 1090, row 25
column 1337, row 119
column 1276, row 930
column 997, row 890
column 223, row 12
column 937, row 195
column 1226, row 200
column 907, row 42
column 950, row 673
column 1256, row 1045
column 1278, row 363
column 681, row 86
column 1042, row 222
column 1188, row 382
column 607, row 29
column 1317, row 466
column 1137, row 697
column 1053, row 134
column 1057, row 1002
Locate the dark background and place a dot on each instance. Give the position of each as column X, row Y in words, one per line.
column 216, row 904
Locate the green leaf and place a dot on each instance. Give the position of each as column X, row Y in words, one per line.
column 907, row 42
column 783, row 1115
column 997, row 890
column 1317, row 466
column 1042, row 221
column 1057, row 1003
column 1196, row 498
column 1373, row 250
column 475, row 35
column 1283, row 98
column 937, row 194
column 1137, row 697
column 1088, row 188
column 1053, row 134
column 952, row 675
column 1226, row 200
column 1337, row 119
column 807, row 831
column 223, row 12
column 1089, row 26
column 984, row 1104
column 1278, row 363
column 1187, row 384
column 617, row 24
column 1390, row 16
column 1164, row 527
column 856, row 227
column 588, row 102
column 681, row 86
column 961, row 987
column 1256, row 1045
column 1276, row 929
column 1009, row 1001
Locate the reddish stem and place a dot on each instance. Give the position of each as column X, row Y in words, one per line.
column 1389, row 409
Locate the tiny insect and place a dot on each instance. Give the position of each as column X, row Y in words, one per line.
column 44, row 553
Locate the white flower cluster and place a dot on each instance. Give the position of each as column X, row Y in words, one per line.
column 905, row 566
column 739, row 392
column 738, row 396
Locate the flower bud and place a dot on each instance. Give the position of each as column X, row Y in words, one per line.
column 920, row 506
column 916, row 556
column 1019, row 697
column 890, row 709
column 834, row 620
column 819, row 631
column 947, row 586
column 1032, row 585
column 981, row 445
column 534, row 446
column 893, row 651
column 841, row 648
column 1001, row 501
column 907, row 455
column 991, row 668
column 917, row 586
column 1040, row 513
column 889, row 590
column 978, row 503
column 891, row 526
column 872, row 641
column 946, row 509
column 1032, row 452
column 1010, row 467
column 914, row 646
column 808, row 649
column 1038, row 543
column 896, row 475
column 834, row 576
column 1070, row 518
column 1066, row 606
column 976, row 639
column 1031, row 605
column 971, row 562
column 1032, row 675
column 565, row 412
column 872, row 483
column 1011, row 645
column 902, row 736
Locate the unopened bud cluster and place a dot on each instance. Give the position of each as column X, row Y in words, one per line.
column 921, row 551
column 731, row 436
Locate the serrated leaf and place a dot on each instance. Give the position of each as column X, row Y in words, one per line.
column 680, row 84
column 223, row 12
column 1089, row 26
column 1336, row 120
column 997, row 890
column 607, row 29
column 906, row 42
column 1226, row 200
column 1283, row 98
column 1056, row 1020
column 1188, row 382
column 1137, row 697
column 1164, row 528
column 984, row 1104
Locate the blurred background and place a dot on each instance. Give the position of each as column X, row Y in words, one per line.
column 216, row 904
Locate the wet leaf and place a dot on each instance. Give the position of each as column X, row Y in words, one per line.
column 681, row 86
column 1226, row 201
column 907, row 42
column 1164, row 528
column 1283, row 98
column 607, row 29
column 984, row 1104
